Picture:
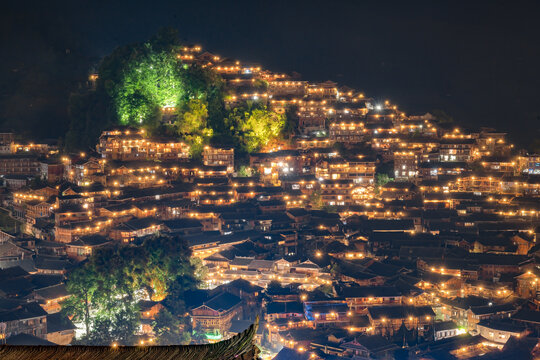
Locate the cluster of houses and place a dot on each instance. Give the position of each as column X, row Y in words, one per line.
column 368, row 234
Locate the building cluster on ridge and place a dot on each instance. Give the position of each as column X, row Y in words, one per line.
column 369, row 233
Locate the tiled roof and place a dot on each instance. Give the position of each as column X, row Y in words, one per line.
column 240, row 346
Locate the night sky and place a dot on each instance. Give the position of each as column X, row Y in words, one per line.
column 477, row 60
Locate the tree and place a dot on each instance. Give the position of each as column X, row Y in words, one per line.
column 106, row 288
column 245, row 171
column 81, row 285
column 207, row 85
column 199, row 269
column 274, row 286
column 199, row 334
column 382, row 179
column 125, row 322
column 254, row 127
column 315, row 199
column 151, row 80
column 37, row 182
column 191, row 125
column 291, row 121
column 167, row 328
column 100, row 334
column 135, row 83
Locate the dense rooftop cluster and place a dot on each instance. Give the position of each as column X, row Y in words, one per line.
column 363, row 233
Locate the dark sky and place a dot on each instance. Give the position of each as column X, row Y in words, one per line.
column 477, row 60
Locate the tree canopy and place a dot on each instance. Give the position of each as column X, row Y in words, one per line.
column 139, row 83
column 105, row 290
column 254, row 127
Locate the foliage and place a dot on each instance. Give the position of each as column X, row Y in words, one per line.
column 82, row 286
column 7, row 223
column 199, row 334
column 274, row 286
column 120, row 327
column 167, row 328
column 245, row 171
column 315, row 199
column 325, row 289
column 136, row 82
column 105, row 289
column 199, row 269
column 330, row 208
column 340, row 148
column 37, row 182
column 261, row 84
column 191, row 125
column 386, row 168
column 151, row 80
column 207, row 85
column 254, row 127
column 291, row 121
column 382, row 179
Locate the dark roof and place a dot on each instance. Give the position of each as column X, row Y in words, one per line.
column 492, row 309
column 502, row 325
column 223, row 301
column 298, row 212
column 373, row 343
column 51, row 263
column 12, row 272
column 243, row 285
column 91, row 240
column 291, row 354
column 195, row 298
column 444, row 325
column 52, row 292
column 59, row 322
column 369, row 291
column 24, row 311
column 285, row 307
column 14, row 287
column 241, row 261
column 178, row 224
column 387, row 224
column 240, row 346
column 26, row 339
column 138, row 224
column 527, row 315
column 466, row 302
column 400, row 312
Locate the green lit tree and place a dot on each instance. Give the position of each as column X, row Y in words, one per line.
column 199, row 334
column 382, row 179
column 150, row 82
column 254, row 127
column 81, row 285
column 105, row 290
column 245, row 171
column 200, row 270
column 192, row 126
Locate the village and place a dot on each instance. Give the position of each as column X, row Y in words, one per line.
column 367, row 234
